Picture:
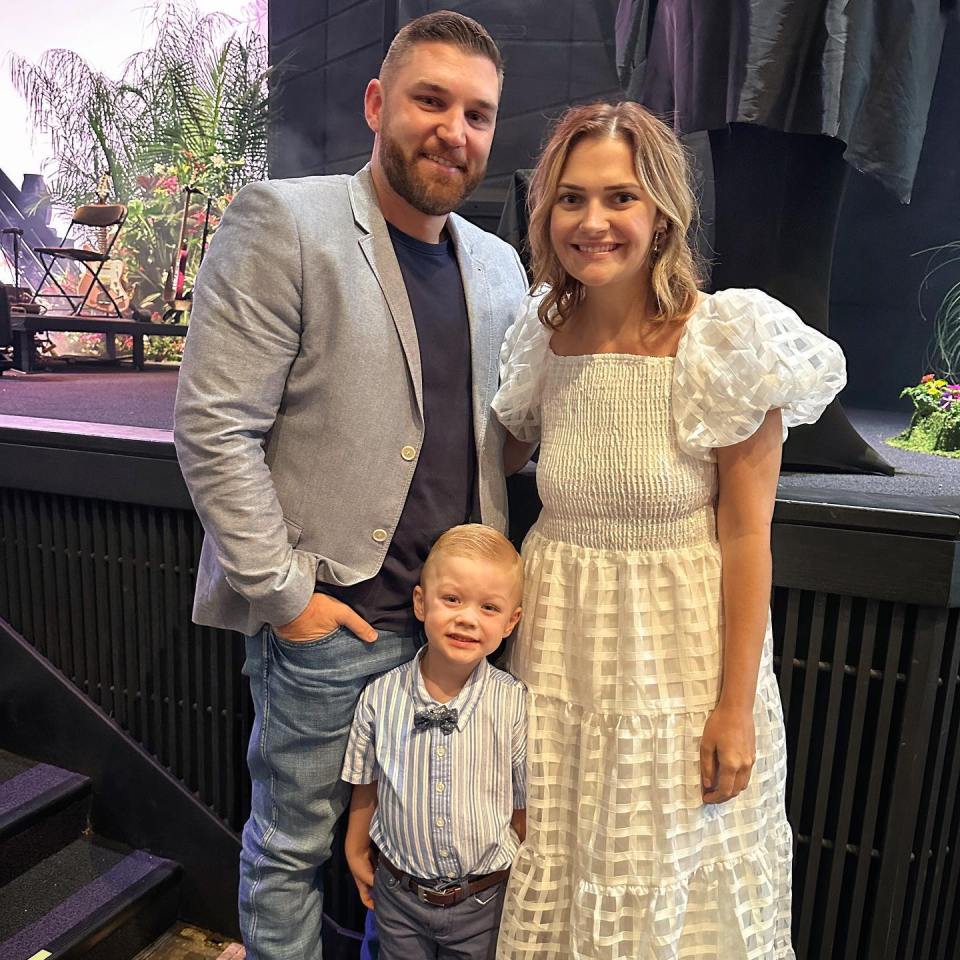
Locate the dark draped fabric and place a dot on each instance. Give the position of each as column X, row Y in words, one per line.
column 861, row 71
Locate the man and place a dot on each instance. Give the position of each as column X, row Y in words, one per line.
column 332, row 420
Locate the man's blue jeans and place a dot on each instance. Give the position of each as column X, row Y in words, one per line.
column 304, row 695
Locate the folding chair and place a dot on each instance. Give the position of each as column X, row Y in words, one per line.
column 107, row 219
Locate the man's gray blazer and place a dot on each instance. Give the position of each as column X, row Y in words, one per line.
column 299, row 414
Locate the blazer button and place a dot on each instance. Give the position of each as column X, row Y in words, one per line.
column 379, row 535
column 408, row 452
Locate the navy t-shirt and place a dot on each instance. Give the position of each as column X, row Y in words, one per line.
column 443, row 491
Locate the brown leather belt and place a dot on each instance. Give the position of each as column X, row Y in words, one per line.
column 450, row 896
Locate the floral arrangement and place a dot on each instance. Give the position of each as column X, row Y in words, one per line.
column 935, row 425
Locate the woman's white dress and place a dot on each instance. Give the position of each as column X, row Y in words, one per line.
column 621, row 644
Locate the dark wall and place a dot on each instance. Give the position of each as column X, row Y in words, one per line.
column 560, row 52
column 876, row 273
column 557, row 52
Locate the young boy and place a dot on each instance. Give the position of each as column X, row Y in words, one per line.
column 436, row 755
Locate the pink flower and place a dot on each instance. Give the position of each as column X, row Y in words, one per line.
column 926, row 378
column 169, row 184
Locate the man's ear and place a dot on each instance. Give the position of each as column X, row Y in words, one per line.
column 373, row 104
column 512, row 622
column 418, row 603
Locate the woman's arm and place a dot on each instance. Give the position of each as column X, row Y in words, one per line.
column 516, row 453
column 357, row 847
column 748, row 473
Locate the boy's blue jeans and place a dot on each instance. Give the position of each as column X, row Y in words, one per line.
column 304, row 695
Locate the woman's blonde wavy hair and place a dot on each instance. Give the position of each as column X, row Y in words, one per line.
column 662, row 170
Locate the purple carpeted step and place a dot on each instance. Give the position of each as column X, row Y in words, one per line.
column 42, row 809
column 33, row 788
column 81, row 895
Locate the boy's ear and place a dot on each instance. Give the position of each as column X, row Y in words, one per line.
column 418, row 603
column 512, row 622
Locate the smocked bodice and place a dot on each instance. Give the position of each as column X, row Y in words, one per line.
column 611, row 474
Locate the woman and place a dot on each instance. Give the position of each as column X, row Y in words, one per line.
column 656, row 754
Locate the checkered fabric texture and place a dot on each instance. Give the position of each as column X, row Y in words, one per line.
column 620, row 647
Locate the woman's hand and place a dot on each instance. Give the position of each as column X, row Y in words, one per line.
column 727, row 753
column 360, row 862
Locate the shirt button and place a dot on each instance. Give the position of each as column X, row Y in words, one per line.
column 440, row 821
column 408, row 452
column 379, row 535
column 440, row 788
column 441, row 751
column 444, row 853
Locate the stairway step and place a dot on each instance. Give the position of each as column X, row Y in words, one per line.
column 91, row 899
column 42, row 809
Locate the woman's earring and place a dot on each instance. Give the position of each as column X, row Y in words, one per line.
column 657, row 245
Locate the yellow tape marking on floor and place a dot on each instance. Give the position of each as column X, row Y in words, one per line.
column 41, row 955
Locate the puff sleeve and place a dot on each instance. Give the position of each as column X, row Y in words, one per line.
column 743, row 354
column 523, row 359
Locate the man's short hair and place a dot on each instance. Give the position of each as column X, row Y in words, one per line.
column 476, row 541
column 442, row 26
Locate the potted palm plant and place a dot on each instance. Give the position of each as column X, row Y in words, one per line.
column 189, row 111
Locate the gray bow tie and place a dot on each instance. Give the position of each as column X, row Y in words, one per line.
column 442, row 717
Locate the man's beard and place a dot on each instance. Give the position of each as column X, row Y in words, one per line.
column 432, row 197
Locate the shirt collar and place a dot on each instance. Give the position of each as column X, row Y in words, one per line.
column 465, row 702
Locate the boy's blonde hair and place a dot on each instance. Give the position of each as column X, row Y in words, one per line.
column 473, row 541
column 663, row 171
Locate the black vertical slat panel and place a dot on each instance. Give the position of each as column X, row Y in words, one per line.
column 48, row 585
column 188, row 636
column 104, row 696
column 216, row 677
column 61, row 577
column 878, row 773
column 171, row 603
column 128, row 609
column 71, row 524
column 941, row 915
column 34, row 571
column 230, row 739
column 112, row 522
column 905, row 789
column 853, row 767
column 201, row 721
column 787, row 658
column 153, row 625
column 808, row 702
column 812, row 882
column 246, row 717
column 6, row 552
column 140, row 627
column 88, row 599
column 947, row 928
column 800, row 785
column 926, row 882
column 23, row 566
column 11, row 564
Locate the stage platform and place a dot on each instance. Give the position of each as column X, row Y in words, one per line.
column 88, row 391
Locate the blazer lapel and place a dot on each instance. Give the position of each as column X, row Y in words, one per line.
column 483, row 351
column 378, row 250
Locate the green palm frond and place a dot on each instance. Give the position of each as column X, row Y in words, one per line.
column 199, row 90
